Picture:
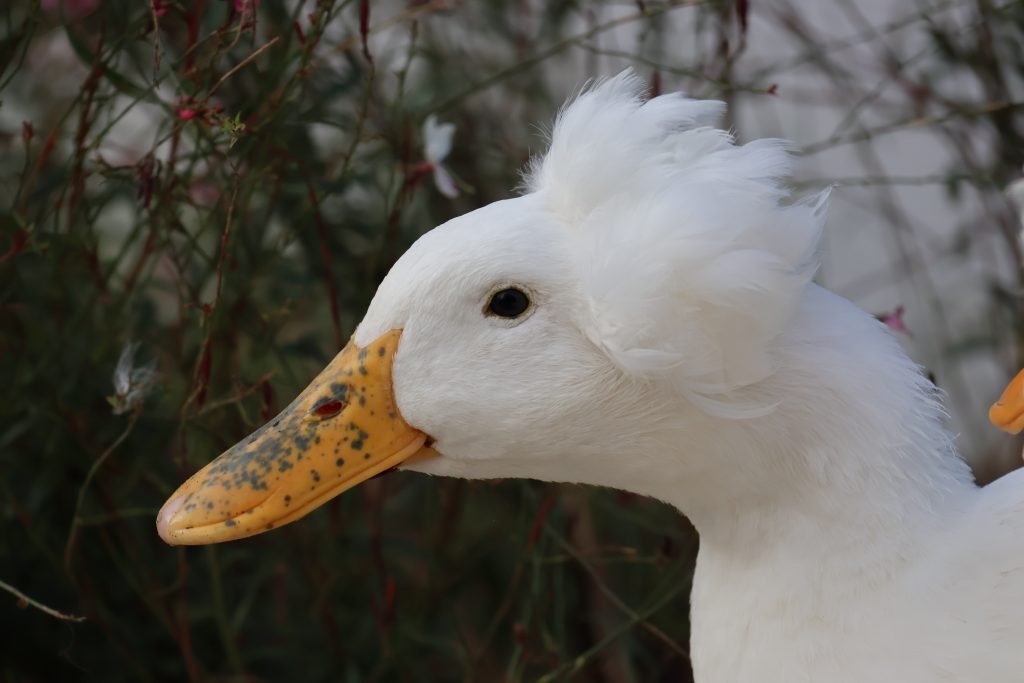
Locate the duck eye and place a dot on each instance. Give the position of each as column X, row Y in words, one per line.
column 508, row 303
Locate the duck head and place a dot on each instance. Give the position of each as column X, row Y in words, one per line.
column 635, row 288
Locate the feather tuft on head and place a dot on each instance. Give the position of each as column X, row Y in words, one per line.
column 690, row 250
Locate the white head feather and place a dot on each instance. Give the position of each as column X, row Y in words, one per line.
column 675, row 223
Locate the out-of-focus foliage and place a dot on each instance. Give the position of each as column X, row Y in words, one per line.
column 197, row 200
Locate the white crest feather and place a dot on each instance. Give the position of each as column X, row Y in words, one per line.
column 689, row 249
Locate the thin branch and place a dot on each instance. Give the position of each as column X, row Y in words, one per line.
column 76, row 520
column 231, row 72
column 979, row 179
column 559, row 47
column 916, row 122
column 24, row 600
column 615, row 599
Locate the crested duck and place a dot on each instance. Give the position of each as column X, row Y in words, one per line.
column 643, row 317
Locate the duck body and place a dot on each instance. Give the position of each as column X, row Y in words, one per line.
column 670, row 343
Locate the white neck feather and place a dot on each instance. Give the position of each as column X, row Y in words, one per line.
column 856, row 441
column 803, row 512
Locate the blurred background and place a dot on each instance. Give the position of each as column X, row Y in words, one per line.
column 197, row 200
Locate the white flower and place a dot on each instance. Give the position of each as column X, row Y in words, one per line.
column 437, row 144
column 131, row 384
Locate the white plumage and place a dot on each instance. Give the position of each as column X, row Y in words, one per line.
column 676, row 348
column 660, row 205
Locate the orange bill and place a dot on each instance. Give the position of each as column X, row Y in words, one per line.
column 1008, row 412
column 343, row 429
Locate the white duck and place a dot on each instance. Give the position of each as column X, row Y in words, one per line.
column 643, row 318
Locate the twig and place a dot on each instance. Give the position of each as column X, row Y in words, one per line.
column 915, row 122
column 233, row 70
column 406, row 15
column 675, row 586
column 220, row 612
column 25, row 600
column 204, row 361
column 615, row 599
column 558, row 47
column 325, row 256
column 983, row 180
column 236, row 397
column 76, row 520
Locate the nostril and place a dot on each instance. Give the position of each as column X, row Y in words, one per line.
column 326, row 408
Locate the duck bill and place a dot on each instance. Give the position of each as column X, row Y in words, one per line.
column 1008, row 412
column 342, row 429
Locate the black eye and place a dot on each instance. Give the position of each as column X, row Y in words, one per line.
column 508, row 303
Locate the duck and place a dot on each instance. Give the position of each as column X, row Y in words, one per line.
column 644, row 316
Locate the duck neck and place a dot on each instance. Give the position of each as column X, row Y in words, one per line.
column 854, row 461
